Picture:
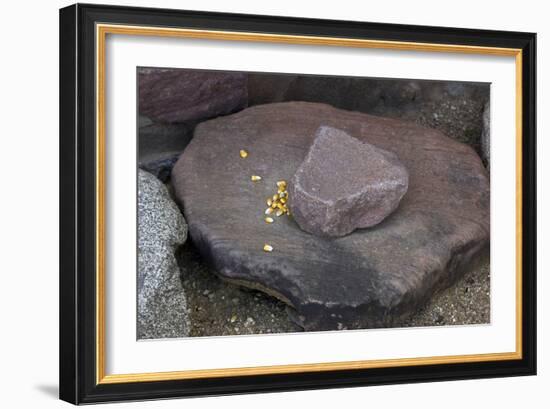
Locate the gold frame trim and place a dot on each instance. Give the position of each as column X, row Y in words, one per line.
column 101, row 32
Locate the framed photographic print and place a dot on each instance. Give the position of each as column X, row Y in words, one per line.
column 258, row 203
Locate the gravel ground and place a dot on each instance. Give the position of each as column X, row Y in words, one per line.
column 466, row 302
column 220, row 308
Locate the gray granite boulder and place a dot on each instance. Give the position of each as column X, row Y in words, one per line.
column 372, row 277
column 181, row 95
column 344, row 184
column 486, row 135
column 162, row 306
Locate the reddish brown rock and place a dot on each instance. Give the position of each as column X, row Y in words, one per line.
column 344, row 184
column 179, row 95
column 451, row 107
column 370, row 278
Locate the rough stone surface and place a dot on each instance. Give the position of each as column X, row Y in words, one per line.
column 144, row 121
column 364, row 185
column 155, row 138
column 162, row 306
column 160, row 164
column 160, row 145
column 178, row 95
column 454, row 108
column 486, row 135
column 370, row 278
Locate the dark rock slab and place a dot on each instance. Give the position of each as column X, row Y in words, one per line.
column 364, row 185
column 373, row 277
column 162, row 306
column 160, row 164
column 155, row 138
column 454, row 108
column 160, row 144
column 179, row 95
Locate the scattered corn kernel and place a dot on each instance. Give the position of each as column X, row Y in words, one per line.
column 268, row 248
column 243, row 153
column 277, row 203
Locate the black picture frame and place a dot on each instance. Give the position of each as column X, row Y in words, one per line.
column 78, row 312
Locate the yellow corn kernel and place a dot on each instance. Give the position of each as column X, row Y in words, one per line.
column 269, row 220
column 255, row 178
column 268, row 248
column 243, row 153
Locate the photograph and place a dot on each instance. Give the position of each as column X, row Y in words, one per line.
column 256, row 204
column 273, row 203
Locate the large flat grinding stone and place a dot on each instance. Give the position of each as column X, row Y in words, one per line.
column 372, row 277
